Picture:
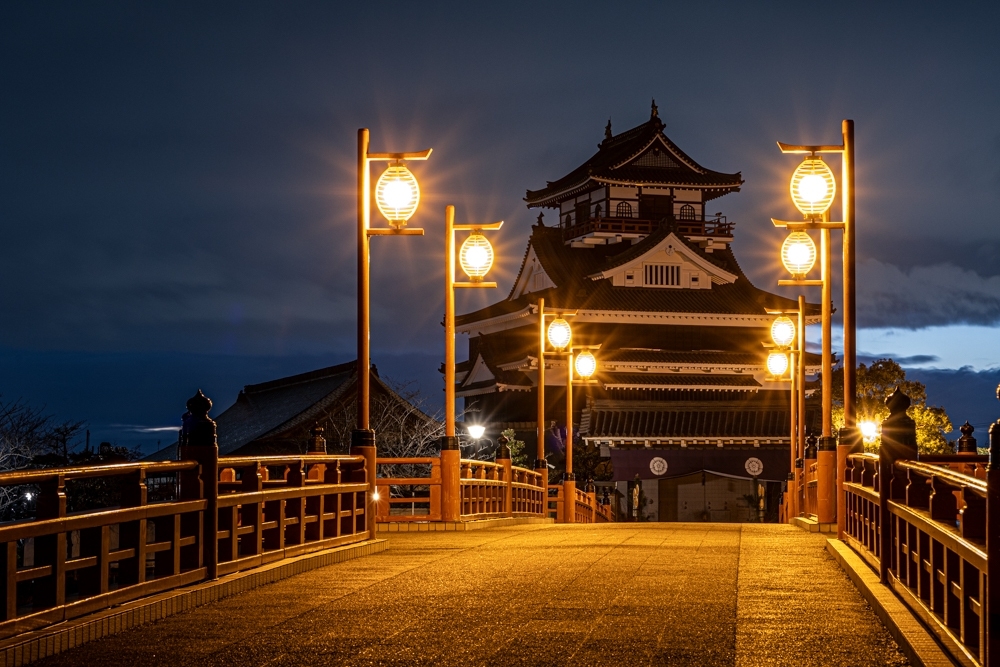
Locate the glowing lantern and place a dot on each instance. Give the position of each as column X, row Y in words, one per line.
column 586, row 364
column 783, row 331
column 777, row 363
column 813, row 187
column 397, row 194
column 559, row 334
column 476, row 256
column 798, row 254
column 476, row 431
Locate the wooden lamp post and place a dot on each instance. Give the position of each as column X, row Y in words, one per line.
column 397, row 195
column 476, row 259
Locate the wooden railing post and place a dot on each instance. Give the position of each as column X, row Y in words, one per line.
column 199, row 443
column 850, row 443
column 451, row 484
column 503, row 458
column 899, row 441
column 993, row 547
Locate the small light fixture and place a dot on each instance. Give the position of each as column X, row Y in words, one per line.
column 376, row 496
column 869, row 431
column 559, row 334
column 798, row 254
column 476, row 256
column 813, row 187
column 397, row 194
column 777, row 364
column 476, row 431
column 586, row 364
column 783, row 331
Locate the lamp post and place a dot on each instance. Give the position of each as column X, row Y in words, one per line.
column 397, row 196
column 791, row 338
column 813, row 190
column 541, row 466
column 476, row 259
column 585, row 364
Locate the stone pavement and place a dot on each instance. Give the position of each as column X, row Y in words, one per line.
column 614, row 594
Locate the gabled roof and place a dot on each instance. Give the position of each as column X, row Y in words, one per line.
column 643, row 155
column 663, row 236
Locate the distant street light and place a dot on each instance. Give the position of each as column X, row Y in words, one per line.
column 869, row 431
column 476, row 431
column 777, row 363
column 783, row 331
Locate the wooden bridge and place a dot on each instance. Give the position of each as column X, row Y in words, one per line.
column 108, row 548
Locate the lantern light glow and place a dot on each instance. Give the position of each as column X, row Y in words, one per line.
column 869, row 431
column 798, row 254
column 476, row 256
column 777, row 363
column 783, row 331
column 813, row 187
column 397, row 194
column 586, row 364
column 476, row 431
column 559, row 334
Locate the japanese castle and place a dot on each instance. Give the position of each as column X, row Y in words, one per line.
column 682, row 401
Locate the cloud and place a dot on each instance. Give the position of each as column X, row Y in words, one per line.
column 924, row 296
column 912, row 360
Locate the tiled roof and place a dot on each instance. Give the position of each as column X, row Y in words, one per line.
column 613, row 162
column 679, row 380
column 667, row 423
column 569, row 267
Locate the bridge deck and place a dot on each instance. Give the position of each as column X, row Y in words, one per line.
column 617, row 594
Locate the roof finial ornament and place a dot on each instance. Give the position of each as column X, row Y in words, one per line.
column 539, row 221
column 654, row 112
column 607, row 130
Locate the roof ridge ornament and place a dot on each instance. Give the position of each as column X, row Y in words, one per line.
column 654, row 112
column 607, row 131
column 539, row 222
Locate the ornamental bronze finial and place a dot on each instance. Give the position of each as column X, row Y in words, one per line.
column 654, row 112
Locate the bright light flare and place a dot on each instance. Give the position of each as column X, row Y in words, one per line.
column 798, row 254
column 476, row 256
column 783, row 331
column 586, row 364
column 476, row 431
column 376, row 496
column 559, row 334
column 869, row 431
column 397, row 194
column 777, row 363
column 813, row 187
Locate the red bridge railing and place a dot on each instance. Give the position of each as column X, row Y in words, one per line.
column 150, row 533
column 923, row 523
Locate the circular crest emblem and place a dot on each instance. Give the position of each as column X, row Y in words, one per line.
column 754, row 466
column 658, row 466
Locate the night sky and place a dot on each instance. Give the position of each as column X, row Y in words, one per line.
column 177, row 180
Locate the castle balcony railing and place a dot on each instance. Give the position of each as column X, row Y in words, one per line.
column 716, row 226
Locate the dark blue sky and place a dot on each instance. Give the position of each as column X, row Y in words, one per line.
column 177, row 179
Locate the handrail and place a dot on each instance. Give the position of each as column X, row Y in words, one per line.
column 60, row 565
column 923, row 526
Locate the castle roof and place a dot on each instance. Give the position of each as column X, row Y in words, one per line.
column 642, row 156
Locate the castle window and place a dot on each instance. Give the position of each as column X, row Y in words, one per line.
column 568, row 221
column 662, row 275
column 687, row 212
column 623, row 210
column 629, row 277
column 597, row 211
